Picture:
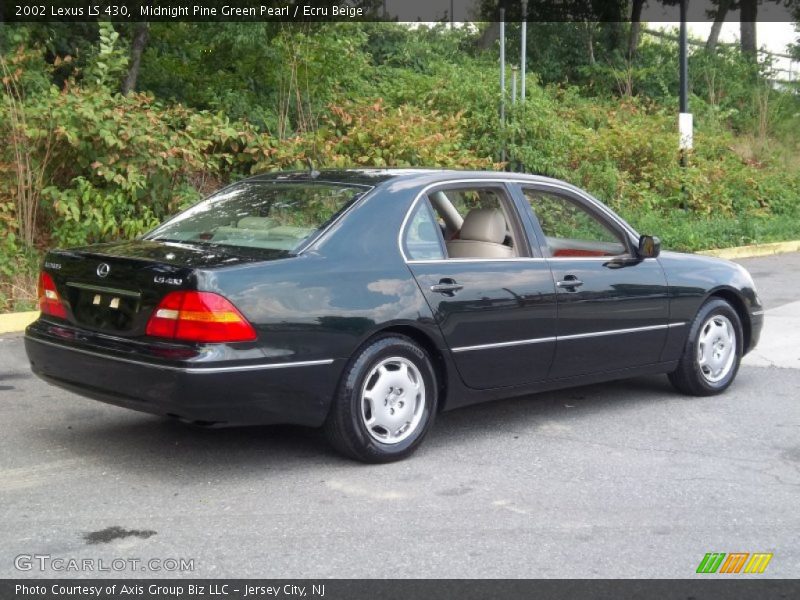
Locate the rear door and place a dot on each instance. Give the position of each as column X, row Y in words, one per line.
column 497, row 314
column 613, row 309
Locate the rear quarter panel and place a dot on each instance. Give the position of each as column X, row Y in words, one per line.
column 326, row 302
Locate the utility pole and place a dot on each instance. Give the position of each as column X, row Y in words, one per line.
column 523, row 49
column 685, row 125
column 685, row 117
column 503, row 81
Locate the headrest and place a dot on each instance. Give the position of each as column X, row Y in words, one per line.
column 255, row 223
column 484, row 225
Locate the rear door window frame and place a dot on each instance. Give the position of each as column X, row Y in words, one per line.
column 522, row 245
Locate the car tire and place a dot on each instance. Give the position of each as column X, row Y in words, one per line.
column 713, row 351
column 385, row 403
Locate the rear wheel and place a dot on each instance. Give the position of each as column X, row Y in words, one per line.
column 385, row 403
column 713, row 351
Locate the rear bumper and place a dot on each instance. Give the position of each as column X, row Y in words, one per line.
column 217, row 394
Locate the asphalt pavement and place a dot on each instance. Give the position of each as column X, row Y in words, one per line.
column 626, row 479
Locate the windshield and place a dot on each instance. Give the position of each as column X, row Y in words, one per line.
column 266, row 215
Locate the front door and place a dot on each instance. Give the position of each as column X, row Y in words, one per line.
column 613, row 309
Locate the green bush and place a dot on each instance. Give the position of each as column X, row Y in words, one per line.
column 83, row 163
column 372, row 135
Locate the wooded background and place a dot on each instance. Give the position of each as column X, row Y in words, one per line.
column 111, row 127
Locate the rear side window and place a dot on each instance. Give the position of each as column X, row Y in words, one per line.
column 476, row 222
column 267, row 215
column 422, row 240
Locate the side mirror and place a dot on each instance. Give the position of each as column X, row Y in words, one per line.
column 649, row 246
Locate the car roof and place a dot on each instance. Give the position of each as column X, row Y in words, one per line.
column 373, row 177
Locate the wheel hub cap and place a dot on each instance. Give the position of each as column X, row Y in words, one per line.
column 716, row 348
column 392, row 400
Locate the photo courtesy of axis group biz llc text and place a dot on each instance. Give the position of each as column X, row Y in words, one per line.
column 388, row 299
column 169, row 589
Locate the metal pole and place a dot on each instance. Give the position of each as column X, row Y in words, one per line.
column 502, row 63
column 684, row 62
column 452, row 18
column 503, row 75
column 523, row 49
column 685, row 126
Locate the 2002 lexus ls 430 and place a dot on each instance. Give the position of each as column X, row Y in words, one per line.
column 366, row 301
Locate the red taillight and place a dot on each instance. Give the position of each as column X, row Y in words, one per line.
column 49, row 300
column 199, row 317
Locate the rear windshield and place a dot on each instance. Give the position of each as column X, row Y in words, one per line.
column 266, row 215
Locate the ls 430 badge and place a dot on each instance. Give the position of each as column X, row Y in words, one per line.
column 167, row 280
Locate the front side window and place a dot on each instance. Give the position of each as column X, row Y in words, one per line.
column 570, row 230
column 263, row 215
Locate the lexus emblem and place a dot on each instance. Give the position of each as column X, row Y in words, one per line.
column 103, row 270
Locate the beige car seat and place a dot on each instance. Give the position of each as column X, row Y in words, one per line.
column 481, row 236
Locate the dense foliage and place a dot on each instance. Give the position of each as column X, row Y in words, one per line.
column 217, row 102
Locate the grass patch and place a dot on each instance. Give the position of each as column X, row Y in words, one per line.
column 688, row 232
column 18, row 287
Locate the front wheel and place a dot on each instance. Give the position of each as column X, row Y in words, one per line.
column 713, row 351
column 385, row 403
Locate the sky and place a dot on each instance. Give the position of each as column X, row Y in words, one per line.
column 773, row 34
column 773, row 37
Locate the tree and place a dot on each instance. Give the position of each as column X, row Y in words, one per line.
column 489, row 36
column 794, row 49
column 636, row 26
column 140, row 37
column 723, row 7
column 747, row 22
column 748, row 18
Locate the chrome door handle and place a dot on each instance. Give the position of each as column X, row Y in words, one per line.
column 569, row 282
column 446, row 286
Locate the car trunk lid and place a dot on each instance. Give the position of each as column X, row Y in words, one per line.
column 113, row 288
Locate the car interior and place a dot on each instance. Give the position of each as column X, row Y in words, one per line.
column 272, row 217
column 570, row 230
column 474, row 223
column 261, row 232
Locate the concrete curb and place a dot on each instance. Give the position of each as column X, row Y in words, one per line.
column 754, row 250
column 15, row 322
